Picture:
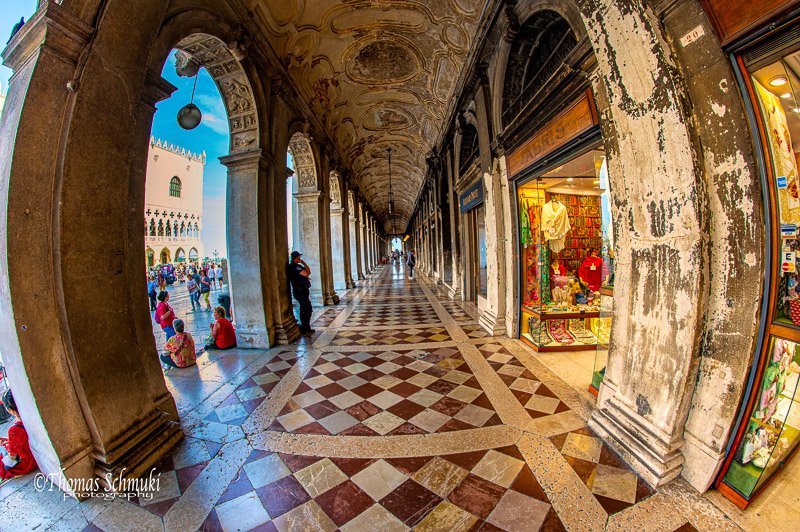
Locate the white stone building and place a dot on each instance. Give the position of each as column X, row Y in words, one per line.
column 173, row 203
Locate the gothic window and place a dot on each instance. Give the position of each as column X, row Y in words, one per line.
column 152, row 227
column 469, row 148
column 538, row 52
column 183, row 229
column 175, row 187
column 161, row 228
column 169, row 229
column 196, row 231
column 193, row 254
column 175, row 229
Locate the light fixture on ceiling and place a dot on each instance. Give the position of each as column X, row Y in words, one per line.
column 189, row 117
column 570, row 179
column 778, row 81
column 796, row 109
column 391, row 194
column 596, row 181
column 786, row 95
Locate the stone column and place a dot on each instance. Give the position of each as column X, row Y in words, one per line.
column 85, row 374
column 308, row 212
column 355, row 240
column 248, row 176
column 339, row 226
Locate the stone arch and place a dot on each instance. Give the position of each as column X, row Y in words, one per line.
column 164, row 256
column 305, row 162
column 193, row 254
column 87, row 430
column 180, row 254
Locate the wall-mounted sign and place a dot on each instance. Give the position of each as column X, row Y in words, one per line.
column 788, row 230
column 571, row 122
column 782, row 183
column 735, row 18
column 692, row 36
column 787, row 262
column 472, row 197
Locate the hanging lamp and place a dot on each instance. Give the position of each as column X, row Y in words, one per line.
column 189, row 117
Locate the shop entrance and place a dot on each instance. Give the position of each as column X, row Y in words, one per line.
column 567, row 266
column 474, row 220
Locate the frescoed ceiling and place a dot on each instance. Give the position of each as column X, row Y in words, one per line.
column 378, row 73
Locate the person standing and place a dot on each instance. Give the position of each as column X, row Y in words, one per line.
column 152, row 293
column 162, row 281
column 212, row 274
column 165, row 316
column 298, row 273
column 411, row 262
column 192, row 288
column 218, row 272
column 205, row 288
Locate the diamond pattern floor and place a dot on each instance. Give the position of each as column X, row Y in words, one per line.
column 403, row 415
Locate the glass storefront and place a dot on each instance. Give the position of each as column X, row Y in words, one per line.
column 769, row 431
column 565, row 253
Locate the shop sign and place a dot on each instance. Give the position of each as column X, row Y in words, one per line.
column 472, row 197
column 576, row 119
column 788, row 230
column 787, row 262
column 735, row 18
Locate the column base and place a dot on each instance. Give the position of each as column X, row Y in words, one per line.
column 136, row 452
column 655, row 457
column 492, row 324
column 361, row 276
column 252, row 339
column 331, row 298
column 454, row 292
column 287, row 332
column 350, row 284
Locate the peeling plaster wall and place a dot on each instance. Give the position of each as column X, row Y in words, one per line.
column 735, row 241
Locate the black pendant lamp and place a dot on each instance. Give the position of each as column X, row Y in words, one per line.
column 189, row 117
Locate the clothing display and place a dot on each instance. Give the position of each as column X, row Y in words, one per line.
column 557, row 329
column 555, row 224
column 592, row 272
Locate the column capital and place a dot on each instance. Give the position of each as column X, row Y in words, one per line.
column 250, row 158
column 52, row 27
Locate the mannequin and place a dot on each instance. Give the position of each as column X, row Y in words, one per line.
column 555, row 224
column 593, row 271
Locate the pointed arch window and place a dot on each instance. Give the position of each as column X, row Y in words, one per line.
column 175, row 187
column 161, row 228
column 152, row 227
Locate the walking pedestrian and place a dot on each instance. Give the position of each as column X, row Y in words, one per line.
column 298, row 274
column 192, row 288
column 411, row 262
column 162, row 281
column 165, row 316
column 152, row 293
column 218, row 271
column 212, row 275
column 205, row 288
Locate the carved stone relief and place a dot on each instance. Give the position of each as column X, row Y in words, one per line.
column 336, row 195
column 200, row 50
column 303, row 157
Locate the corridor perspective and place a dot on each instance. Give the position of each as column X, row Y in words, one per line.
column 382, row 264
column 400, row 412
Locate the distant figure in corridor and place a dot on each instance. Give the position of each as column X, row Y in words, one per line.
column 411, row 261
column 180, row 351
column 298, row 273
column 218, row 272
column 222, row 336
column 16, row 450
column 165, row 316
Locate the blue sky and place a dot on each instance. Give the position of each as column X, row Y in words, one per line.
column 211, row 135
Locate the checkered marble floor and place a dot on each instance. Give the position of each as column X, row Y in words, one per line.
column 399, row 413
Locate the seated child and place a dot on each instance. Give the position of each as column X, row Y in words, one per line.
column 17, row 456
column 180, row 348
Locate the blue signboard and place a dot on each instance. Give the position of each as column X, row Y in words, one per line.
column 472, row 197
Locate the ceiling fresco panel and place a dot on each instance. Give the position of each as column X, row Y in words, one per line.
column 377, row 74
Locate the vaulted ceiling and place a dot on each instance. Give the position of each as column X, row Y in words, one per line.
column 378, row 74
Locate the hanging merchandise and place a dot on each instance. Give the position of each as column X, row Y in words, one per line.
column 555, row 224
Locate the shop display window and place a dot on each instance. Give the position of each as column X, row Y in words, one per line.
column 563, row 267
column 773, row 429
column 601, row 326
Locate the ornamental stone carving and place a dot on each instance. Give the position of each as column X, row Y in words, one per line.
column 336, row 195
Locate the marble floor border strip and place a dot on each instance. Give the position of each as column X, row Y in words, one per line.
column 401, row 446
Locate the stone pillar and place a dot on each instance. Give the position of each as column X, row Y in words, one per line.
column 339, row 226
column 662, row 230
column 362, row 228
column 355, row 240
column 308, row 218
column 330, row 296
column 247, row 235
column 369, row 244
column 85, row 375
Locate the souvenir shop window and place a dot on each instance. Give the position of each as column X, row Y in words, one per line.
column 775, row 87
column 480, row 214
column 773, row 430
column 563, row 266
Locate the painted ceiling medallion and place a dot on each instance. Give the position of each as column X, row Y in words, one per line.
column 383, row 61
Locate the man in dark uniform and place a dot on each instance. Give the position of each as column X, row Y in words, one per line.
column 298, row 272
